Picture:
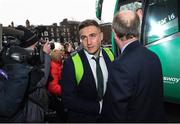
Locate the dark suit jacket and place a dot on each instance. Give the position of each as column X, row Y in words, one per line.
column 135, row 92
column 82, row 100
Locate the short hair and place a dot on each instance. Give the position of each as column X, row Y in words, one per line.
column 88, row 22
column 124, row 28
column 138, row 9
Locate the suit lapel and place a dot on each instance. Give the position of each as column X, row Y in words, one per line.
column 87, row 69
column 106, row 59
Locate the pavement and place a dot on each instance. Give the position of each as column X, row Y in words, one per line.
column 172, row 112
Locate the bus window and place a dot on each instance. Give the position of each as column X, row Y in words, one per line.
column 161, row 20
column 107, row 10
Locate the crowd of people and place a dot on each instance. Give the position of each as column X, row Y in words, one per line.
column 86, row 84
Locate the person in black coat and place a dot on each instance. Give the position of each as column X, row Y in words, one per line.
column 13, row 85
column 135, row 91
column 82, row 100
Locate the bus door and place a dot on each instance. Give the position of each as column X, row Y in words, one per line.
column 161, row 34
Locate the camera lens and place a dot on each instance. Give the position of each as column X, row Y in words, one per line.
column 52, row 46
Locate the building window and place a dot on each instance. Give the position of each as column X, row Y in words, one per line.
column 45, row 33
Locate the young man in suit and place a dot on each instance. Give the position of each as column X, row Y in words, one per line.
column 135, row 92
column 83, row 99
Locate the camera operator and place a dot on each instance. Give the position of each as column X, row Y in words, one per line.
column 14, row 82
column 24, row 76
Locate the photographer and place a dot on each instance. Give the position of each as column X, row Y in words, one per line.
column 36, row 103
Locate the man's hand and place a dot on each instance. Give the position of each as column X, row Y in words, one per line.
column 46, row 48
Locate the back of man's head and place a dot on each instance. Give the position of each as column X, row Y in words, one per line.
column 126, row 23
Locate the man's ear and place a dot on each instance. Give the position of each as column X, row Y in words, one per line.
column 115, row 35
column 101, row 36
column 117, row 40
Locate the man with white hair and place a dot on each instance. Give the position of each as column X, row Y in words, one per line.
column 135, row 90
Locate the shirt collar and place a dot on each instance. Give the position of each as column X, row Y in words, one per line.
column 90, row 56
column 125, row 46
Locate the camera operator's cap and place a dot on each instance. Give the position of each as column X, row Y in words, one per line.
column 29, row 37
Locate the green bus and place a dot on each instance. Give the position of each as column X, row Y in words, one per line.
column 160, row 32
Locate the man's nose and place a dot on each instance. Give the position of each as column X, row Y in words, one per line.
column 88, row 40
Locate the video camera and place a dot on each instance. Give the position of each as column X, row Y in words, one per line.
column 15, row 44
